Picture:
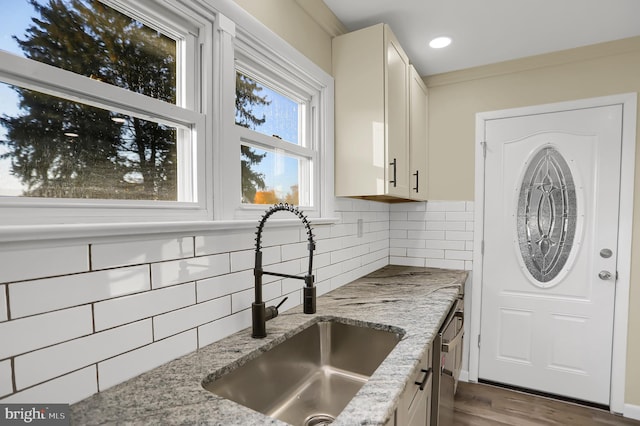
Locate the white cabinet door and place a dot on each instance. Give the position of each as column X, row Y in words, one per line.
column 418, row 154
column 397, row 117
column 414, row 407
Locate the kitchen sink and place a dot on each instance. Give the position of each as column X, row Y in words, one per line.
column 310, row 377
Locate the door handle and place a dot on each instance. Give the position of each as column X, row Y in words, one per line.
column 605, row 275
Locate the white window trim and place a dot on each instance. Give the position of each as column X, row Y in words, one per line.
column 262, row 51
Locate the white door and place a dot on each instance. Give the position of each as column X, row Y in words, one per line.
column 550, row 235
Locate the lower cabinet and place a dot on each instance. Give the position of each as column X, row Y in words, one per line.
column 414, row 407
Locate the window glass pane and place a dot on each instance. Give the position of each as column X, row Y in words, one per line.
column 546, row 215
column 89, row 38
column 270, row 177
column 261, row 109
column 55, row 148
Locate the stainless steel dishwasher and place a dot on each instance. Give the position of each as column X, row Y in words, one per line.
column 447, row 362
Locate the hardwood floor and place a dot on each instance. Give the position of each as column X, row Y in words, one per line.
column 486, row 405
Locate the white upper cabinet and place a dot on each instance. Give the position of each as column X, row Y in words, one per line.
column 417, row 136
column 373, row 106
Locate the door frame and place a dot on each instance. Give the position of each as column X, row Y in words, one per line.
column 627, row 176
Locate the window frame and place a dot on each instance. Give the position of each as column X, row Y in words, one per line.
column 51, row 80
column 307, row 146
column 267, row 59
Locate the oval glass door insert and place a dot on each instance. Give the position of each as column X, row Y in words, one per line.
column 546, row 215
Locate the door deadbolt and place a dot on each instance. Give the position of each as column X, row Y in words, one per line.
column 606, row 253
column 605, row 275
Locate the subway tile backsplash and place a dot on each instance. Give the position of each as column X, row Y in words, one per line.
column 436, row 234
column 78, row 319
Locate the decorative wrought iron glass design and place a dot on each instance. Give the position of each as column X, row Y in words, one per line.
column 546, row 214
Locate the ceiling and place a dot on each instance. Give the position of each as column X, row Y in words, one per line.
column 489, row 31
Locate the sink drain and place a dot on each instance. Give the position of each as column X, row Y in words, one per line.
column 318, row 420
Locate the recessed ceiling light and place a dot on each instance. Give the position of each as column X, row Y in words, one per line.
column 440, row 42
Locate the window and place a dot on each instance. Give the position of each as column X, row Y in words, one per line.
column 95, row 104
column 276, row 156
column 284, row 149
column 115, row 111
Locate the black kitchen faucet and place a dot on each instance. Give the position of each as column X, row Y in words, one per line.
column 260, row 314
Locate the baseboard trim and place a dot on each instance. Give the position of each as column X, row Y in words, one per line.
column 632, row 411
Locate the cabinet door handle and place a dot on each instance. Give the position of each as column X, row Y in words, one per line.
column 416, row 175
column 394, row 172
column 425, row 380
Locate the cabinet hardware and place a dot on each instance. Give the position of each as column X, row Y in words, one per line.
column 394, row 181
column 416, row 175
column 425, row 379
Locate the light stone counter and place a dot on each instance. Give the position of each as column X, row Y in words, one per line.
column 413, row 299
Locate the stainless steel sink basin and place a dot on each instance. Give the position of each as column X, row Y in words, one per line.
column 309, row 378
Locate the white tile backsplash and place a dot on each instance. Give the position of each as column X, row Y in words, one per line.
column 110, row 255
column 295, row 251
column 458, row 255
column 190, row 317
column 70, row 388
column 108, row 310
column 6, row 383
column 180, row 271
column 244, row 299
column 224, row 242
column 446, row 206
column 459, row 235
column 275, row 236
column 444, row 263
column 407, row 261
column 26, row 264
column 442, row 244
column 3, row 303
column 459, row 216
column 439, row 235
column 242, row 260
column 117, row 370
column 122, row 310
column 71, row 290
column 222, row 285
column 26, row 334
column 48, row 363
column 219, row 329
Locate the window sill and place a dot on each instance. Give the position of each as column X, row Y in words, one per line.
column 86, row 233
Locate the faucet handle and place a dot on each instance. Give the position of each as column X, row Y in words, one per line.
column 281, row 302
column 272, row 311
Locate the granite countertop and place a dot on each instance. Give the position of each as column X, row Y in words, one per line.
column 413, row 299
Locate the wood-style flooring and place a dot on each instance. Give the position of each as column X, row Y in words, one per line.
column 485, row 405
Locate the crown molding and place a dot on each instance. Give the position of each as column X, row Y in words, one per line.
column 320, row 13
